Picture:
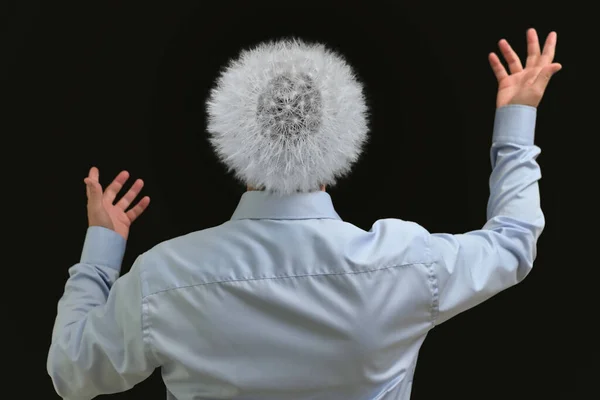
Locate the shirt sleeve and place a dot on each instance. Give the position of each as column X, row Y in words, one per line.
column 472, row 267
column 98, row 341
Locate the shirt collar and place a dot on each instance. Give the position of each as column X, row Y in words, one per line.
column 265, row 205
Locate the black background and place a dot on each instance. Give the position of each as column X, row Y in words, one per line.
column 122, row 85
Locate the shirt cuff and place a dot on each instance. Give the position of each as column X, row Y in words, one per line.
column 103, row 247
column 515, row 123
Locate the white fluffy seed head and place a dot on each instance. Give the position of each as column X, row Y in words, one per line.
column 288, row 116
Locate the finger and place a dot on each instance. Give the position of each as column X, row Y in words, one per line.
column 131, row 194
column 549, row 48
column 497, row 67
column 93, row 191
column 514, row 64
column 116, row 185
column 139, row 208
column 533, row 48
column 94, row 174
column 542, row 80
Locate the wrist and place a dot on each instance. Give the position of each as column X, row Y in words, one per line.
column 515, row 123
column 103, row 247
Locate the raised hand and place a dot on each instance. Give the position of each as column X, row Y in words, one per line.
column 100, row 207
column 525, row 85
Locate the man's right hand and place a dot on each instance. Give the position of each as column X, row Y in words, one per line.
column 525, row 85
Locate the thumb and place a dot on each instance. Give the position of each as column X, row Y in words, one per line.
column 542, row 80
column 93, row 191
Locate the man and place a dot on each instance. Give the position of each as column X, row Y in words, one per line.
column 285, row 300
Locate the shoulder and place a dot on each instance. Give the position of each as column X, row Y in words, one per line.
column 406, row 237
column 194, row 258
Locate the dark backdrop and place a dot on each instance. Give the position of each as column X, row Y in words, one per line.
column 122, row 85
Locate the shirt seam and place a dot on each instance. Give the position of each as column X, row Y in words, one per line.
column 505, row 136
column 518, row 106
column 282, row 217
column 286, row 277
column 146, row 335
column 501, row 139
column 433, row 284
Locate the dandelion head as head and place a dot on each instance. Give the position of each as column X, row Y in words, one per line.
column 288, row 116
column 290, row 105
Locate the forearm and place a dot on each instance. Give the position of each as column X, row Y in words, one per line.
column 91, row 279
column 514, row 203
column 474, row 266
column 97, row 345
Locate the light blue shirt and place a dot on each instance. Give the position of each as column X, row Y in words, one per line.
column 286, row 300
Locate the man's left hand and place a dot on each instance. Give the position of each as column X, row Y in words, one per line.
column 100, row 207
